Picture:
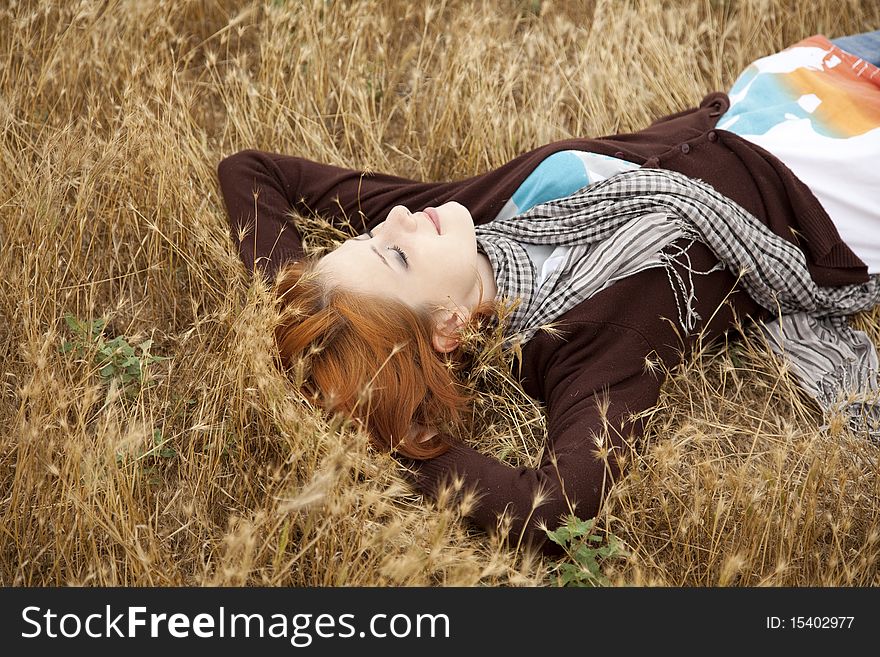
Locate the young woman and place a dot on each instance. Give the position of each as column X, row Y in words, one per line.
column 756, row 203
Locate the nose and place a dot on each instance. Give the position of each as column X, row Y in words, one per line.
column 400, row 218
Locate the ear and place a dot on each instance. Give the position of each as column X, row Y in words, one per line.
column 446, row 330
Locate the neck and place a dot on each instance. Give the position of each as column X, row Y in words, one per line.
column 487, row 278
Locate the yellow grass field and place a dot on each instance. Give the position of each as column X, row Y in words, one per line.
column 147, row 439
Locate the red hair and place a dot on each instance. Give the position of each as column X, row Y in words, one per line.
column 369, row 357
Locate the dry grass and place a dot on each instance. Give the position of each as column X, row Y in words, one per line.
column 114, row 116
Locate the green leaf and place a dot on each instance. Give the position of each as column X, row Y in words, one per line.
column 73, row 324
column 561, row 536
column 119, row 344
column 569, row 573
column 606, row 551
column 578, row 527
column 587, row 557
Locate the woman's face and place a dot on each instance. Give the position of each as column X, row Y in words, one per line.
column 427, row 259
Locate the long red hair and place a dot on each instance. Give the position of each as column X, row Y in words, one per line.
column 369, row 357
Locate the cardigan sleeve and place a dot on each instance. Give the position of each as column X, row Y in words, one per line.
column 262, row 189
column 595, row 382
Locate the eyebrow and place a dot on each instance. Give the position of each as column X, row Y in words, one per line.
column 381, row 257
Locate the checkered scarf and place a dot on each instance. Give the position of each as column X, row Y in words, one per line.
column 628, row 223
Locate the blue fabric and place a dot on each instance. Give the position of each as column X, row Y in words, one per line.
column 865, row 45
column 761, row 101
column 557, row 176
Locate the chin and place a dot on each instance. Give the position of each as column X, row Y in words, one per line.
column 458, row 211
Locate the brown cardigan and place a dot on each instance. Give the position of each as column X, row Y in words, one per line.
column 600, row 358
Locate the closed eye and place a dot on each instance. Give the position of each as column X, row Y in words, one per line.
column 400, row 252
column 402, row 255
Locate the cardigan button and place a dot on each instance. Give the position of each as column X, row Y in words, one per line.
column 712, row 136
column 685, row 149
column 619, row 154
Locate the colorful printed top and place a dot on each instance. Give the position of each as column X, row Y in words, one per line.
column 817, row 108
column 813, row 105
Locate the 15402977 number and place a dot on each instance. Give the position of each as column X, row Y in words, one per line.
column 822, row 622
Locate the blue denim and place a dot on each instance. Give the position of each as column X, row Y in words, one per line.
column 866, row 46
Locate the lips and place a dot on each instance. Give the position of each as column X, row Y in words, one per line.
column 432, row 214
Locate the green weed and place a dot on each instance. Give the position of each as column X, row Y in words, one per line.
column 114, row 358
column 585, row 551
